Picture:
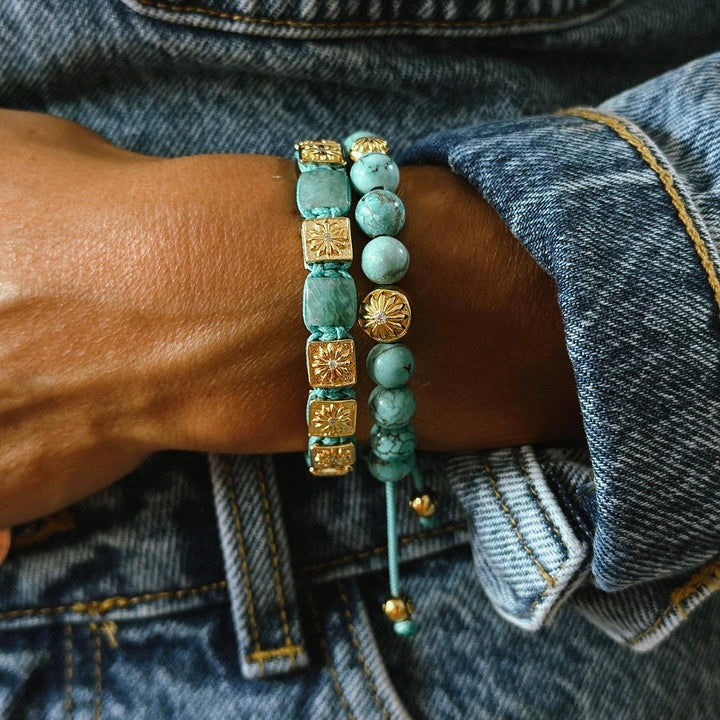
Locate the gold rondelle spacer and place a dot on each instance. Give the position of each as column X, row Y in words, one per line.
column 398, row 609
column 364, row 145
column 424, row 504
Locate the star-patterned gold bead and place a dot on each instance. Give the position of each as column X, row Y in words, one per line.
column 385, row 314
column 331, row 363
column 326, row 239
column 424, row 504
column 332, row 418
column 323, row 152
column 331, row 460
column 398, row 609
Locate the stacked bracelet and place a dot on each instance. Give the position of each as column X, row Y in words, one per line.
column 385, row 315
column 329, row 306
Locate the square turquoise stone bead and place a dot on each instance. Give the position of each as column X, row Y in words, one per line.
column 323, row 192
column 329, row 301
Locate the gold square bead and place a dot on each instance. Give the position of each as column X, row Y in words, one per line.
column 332, row 418
column 331, row 363
column 332, row 460
column 326, row 239
column 364, row 145
column 325, row 152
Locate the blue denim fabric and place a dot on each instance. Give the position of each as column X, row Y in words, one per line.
column 245, row 587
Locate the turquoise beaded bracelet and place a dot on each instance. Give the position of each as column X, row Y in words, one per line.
column 385, row 315
column 329, row 306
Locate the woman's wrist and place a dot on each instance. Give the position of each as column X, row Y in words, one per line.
column 492, row 365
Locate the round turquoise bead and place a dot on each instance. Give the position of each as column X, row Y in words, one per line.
column 350, row 139
column 380, row 212
column 390, row 470
column 392, row 408
column 393, row 443
column 385, row 260
column 390, row 364
column 374, row 170
column 405, row 628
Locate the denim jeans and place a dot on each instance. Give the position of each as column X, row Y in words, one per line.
column 242, row 586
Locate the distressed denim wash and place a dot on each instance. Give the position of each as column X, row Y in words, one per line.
column 241, row 587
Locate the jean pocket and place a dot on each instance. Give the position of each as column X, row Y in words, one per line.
column 333, row 19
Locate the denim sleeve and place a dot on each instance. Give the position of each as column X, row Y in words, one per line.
column 621, row 205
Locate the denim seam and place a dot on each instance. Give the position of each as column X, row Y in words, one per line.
column 541, row 507
column 99, row 607
column 97, row 671
column 326, row 656
column 365, row 554
column 275, row 559
column 238, row 17
column 707, row 578
column 240, row 540
column 67, row 704
column 549, row 579
column 360, row 655
column 627, row 134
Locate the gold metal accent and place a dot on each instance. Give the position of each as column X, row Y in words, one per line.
column 385, row 314
column 332, row 460
column 332, row 418
column 398, row 608
column 424, row 504
column 368, row 145
column 331, row 363
column 327, row 152
column 326, row 239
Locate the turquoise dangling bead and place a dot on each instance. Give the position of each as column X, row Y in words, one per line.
column 405, row 628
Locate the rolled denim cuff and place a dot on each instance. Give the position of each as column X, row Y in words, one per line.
column 619, row 205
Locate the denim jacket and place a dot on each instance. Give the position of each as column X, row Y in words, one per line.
column 592, row 128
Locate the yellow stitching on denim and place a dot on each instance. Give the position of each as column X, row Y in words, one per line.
column 407, row 540
column 274, row 553
column 68, row 706
column 238, row 17
column 707, row 578
column 97, row 670
column 543, row 593
column 98, row 607
column 666, row 179
column 541, row 507
column 326, row 656
column 260, row 656
column 549, row 579
column 360, row 655
column 243, row 555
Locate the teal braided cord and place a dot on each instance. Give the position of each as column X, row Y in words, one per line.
column 329, row 269
column 417, row 479
column 315, row 440
column 331, row 394
column 392, row 540
column 321, row 212
column 328, row 332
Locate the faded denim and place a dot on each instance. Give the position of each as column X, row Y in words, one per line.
column 244, row 587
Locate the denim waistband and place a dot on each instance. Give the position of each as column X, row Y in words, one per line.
column 342, row 20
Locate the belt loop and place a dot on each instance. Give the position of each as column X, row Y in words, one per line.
column 257, row 565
